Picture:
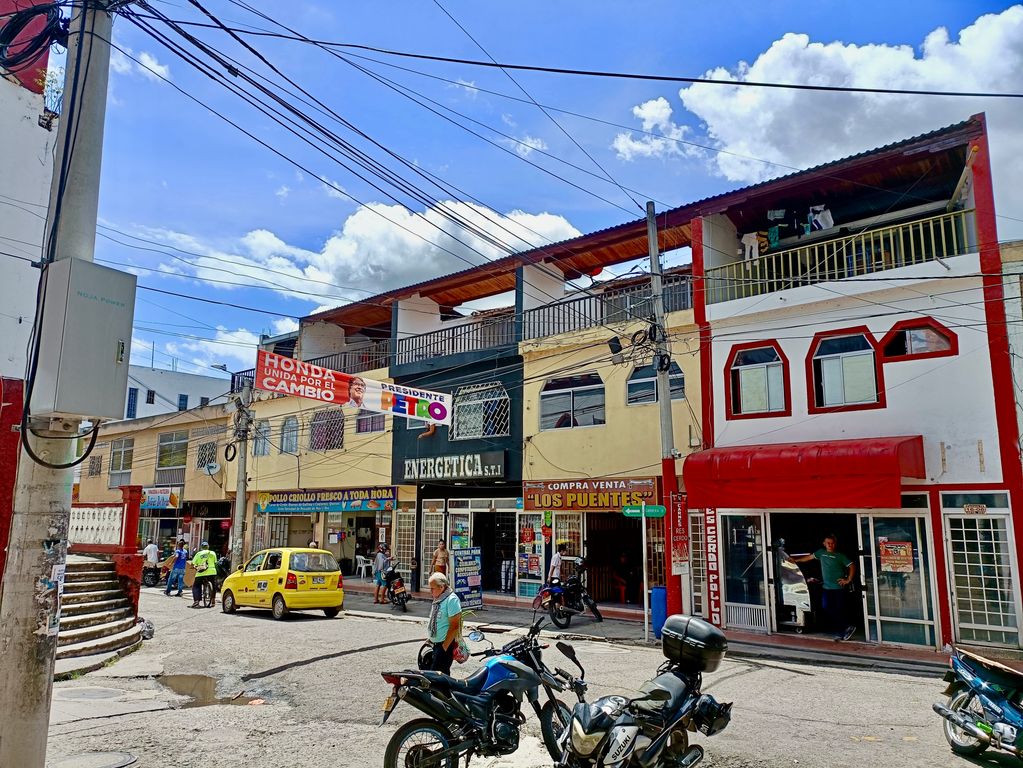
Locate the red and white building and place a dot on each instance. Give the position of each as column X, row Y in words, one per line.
column 857, row 381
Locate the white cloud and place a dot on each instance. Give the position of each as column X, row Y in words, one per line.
column 509, row 120
column 128, row 62
column 284, row 325
column 803, row 128
column 379, row 247
column 655, row 116
column 525, row 145
column 468, row 87
column 237, row 349
column 282, row 192
column 333, row 189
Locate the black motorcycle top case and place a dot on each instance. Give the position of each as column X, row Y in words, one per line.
column 692, row 643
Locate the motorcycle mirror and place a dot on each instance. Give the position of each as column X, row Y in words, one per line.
column 567, row 650
column 476, row 636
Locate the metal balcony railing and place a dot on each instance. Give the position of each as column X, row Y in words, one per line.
column 484, row 333
column 875, row 250
column 614, row 306
column 357, row 360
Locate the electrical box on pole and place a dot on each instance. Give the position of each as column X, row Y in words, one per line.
column 85, row 343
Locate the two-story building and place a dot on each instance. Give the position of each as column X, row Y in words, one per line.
column 857, row 383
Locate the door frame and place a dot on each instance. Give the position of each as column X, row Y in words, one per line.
column 930, row 595
column 723, row 546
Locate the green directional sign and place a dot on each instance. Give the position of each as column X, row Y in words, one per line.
column 652, row 510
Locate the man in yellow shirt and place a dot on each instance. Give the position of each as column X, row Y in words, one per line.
column 205, row 563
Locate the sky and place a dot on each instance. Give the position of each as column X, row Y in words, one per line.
column 276, row 224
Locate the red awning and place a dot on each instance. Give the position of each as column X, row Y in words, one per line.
column 838, row 474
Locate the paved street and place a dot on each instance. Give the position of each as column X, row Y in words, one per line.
column 320, row 684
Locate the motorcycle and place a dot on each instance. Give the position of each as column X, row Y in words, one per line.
column 481, row 714
column 563, row 600
column 554, row 715
column 653, row 728
column 394, row 587
column 152, row 574
column 984, row 708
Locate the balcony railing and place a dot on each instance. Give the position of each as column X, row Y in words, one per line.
column 484, row 333
column 357, row 360
column 615, row 306
column 876, row 250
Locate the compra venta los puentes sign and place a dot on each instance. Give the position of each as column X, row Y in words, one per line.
column 287, row 376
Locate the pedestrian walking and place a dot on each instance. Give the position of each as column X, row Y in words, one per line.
column 381, row 563
column 177, row 571
column 445, row 625
column 837, row 572
column 205, row 563
column 151, row 553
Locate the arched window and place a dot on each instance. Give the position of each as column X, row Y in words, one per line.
column 289, row 435
column 757, row 381
column 845, row 371
column 918, row 339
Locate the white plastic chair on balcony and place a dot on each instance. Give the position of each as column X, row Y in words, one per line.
column 362, row 565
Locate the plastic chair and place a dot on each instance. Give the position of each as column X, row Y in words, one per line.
column 362, row 565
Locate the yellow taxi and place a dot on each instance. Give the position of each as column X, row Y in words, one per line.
column 286, row 579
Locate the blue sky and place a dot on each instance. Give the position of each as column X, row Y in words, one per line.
column 176, row 175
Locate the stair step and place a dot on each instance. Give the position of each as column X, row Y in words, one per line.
column 102, row 644
column 77, row 621
column 79, row 566
column 97, row 606
column 106, row 572
column 91, row 586
column 77, row 598
column 108, row 629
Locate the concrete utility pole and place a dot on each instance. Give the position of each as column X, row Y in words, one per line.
column 242, row 422
column 662, row 362
column 34, row 576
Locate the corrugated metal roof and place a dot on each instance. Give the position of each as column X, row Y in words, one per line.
column 627, row 241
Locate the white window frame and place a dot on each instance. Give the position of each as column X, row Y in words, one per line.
column 261, row 438
column 116, row 468
column 167, row 446
column 842, row 358
column 377, row 422
column 673, row 377
column 208, row 448
column 768, row 368
column 462, row 403
column 289, row 436
column 572, row 392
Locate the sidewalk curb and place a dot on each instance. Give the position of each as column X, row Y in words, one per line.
column 838, row 660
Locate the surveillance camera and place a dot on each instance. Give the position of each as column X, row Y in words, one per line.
column 676, row 453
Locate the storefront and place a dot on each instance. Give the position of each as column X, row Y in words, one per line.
column 160, row 518
column 349, row 522
column 208, row 521
column 465, row 500
column 587, row 516
column 929, row 565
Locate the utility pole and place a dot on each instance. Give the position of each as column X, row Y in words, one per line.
column 34, row 575
column 242, row 422
column 662, row 363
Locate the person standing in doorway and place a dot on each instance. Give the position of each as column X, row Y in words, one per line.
column 381, row 563
column 555, row 570
column 205, row 563
column 441, row 558
column 177, row 572
column 445, row 625
column 838, row 572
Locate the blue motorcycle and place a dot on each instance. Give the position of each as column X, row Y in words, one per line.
column 480, row 715
column 985, row 706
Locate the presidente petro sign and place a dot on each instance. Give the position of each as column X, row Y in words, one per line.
column 287, row 376
column 464, row 466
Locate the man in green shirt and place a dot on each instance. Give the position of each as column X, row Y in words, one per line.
column 205, row 563
column 838, row 572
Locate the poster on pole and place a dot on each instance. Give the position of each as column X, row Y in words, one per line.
column 287, row 376
column 468, row 576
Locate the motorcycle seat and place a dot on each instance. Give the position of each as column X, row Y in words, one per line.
column 667, row 682
column 471, row 685
column 993, row 671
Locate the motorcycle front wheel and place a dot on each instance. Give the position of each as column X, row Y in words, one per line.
column 554, row 718
column 150, row 577
column 414, row 742
column 560, row 616
column 961, row 742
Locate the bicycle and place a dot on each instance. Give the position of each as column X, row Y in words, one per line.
column 209, row 592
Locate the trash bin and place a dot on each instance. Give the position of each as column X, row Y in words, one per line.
column 658, row 609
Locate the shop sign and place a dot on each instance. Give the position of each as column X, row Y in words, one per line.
column 466, row 466
column 468, row 565
column 975, row 509
column 162, row 497
column 329, row 501
column 895, row 556
column 287, row 376
column 583, row 495
column 710, row 529
column 529, row 566
column 644, row 510
column 679, row 536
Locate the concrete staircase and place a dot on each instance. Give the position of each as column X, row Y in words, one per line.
column 97, row 622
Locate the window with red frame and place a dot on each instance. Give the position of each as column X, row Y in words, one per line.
column 917, row 341
column 844, row 371
column 758, row 381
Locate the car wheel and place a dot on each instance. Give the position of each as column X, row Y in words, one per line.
column 280, row 608
column 227, row 603
column 330, row 613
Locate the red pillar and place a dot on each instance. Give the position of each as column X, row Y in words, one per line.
column 669, row 491
column 10, row 449
column 132, row 497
